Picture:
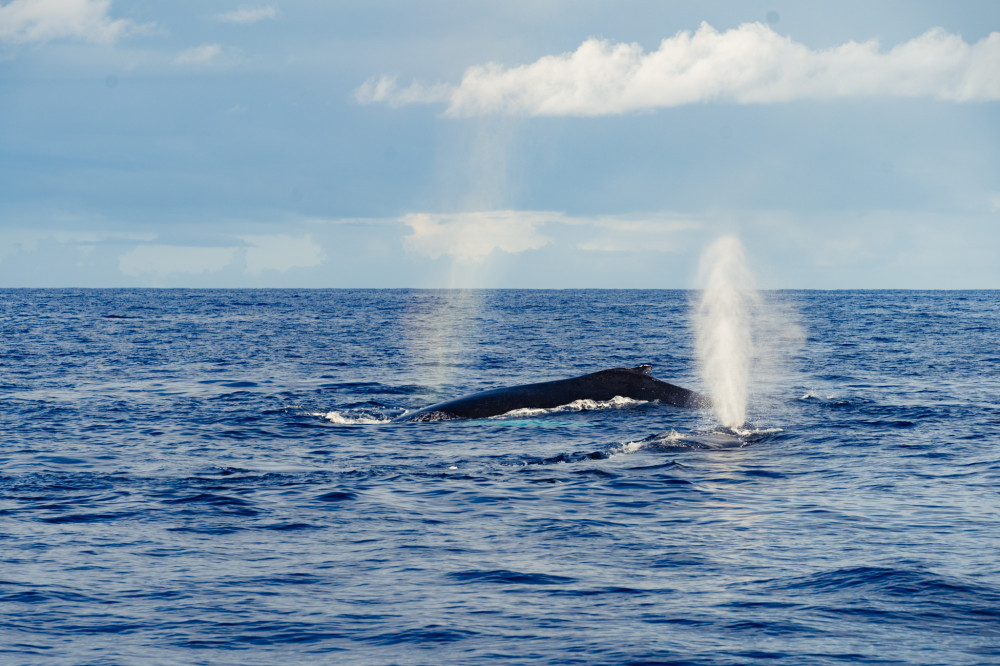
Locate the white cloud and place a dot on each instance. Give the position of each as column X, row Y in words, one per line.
column 750, row 64
column 472, row 236
column 26, row 21
column 198, row 55
column 385, row 89
column 248, row 15
column 164, row 260
column 277, row 252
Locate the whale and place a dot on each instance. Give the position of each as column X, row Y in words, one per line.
column 637, row 383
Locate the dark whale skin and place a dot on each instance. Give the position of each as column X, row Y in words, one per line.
column 636, row 383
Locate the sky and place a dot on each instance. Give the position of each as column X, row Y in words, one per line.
column 521, row 144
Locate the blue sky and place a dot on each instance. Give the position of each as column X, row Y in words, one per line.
column 515, row 144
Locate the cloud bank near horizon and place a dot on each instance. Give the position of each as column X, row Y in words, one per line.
column 470, row 237
column 750, row 64
column 519, row 249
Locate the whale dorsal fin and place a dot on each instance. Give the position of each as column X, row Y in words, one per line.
column 645, row 369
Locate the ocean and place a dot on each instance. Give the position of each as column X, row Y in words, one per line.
column 214, row 477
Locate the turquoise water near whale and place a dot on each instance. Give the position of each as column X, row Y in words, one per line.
column 209, row 476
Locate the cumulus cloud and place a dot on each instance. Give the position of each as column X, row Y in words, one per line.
column 198, row 55
column 750, row 64
column 246, row 15
column 278, row 252
column 26, row 21
column 164, row 260
column 472, row 236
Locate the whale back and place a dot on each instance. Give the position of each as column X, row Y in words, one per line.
column 636, row 383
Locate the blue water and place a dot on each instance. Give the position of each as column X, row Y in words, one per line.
column 211, row 477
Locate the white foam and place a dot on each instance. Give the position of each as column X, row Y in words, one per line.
column 629, row 448
column 755, row 432
column 341, row 418
column 814, row 395
column 585, row 405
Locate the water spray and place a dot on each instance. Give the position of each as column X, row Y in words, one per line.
column 724, row 328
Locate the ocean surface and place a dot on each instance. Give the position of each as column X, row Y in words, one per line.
column 213, row 477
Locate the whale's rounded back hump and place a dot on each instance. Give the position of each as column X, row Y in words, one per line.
column 636, row 383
